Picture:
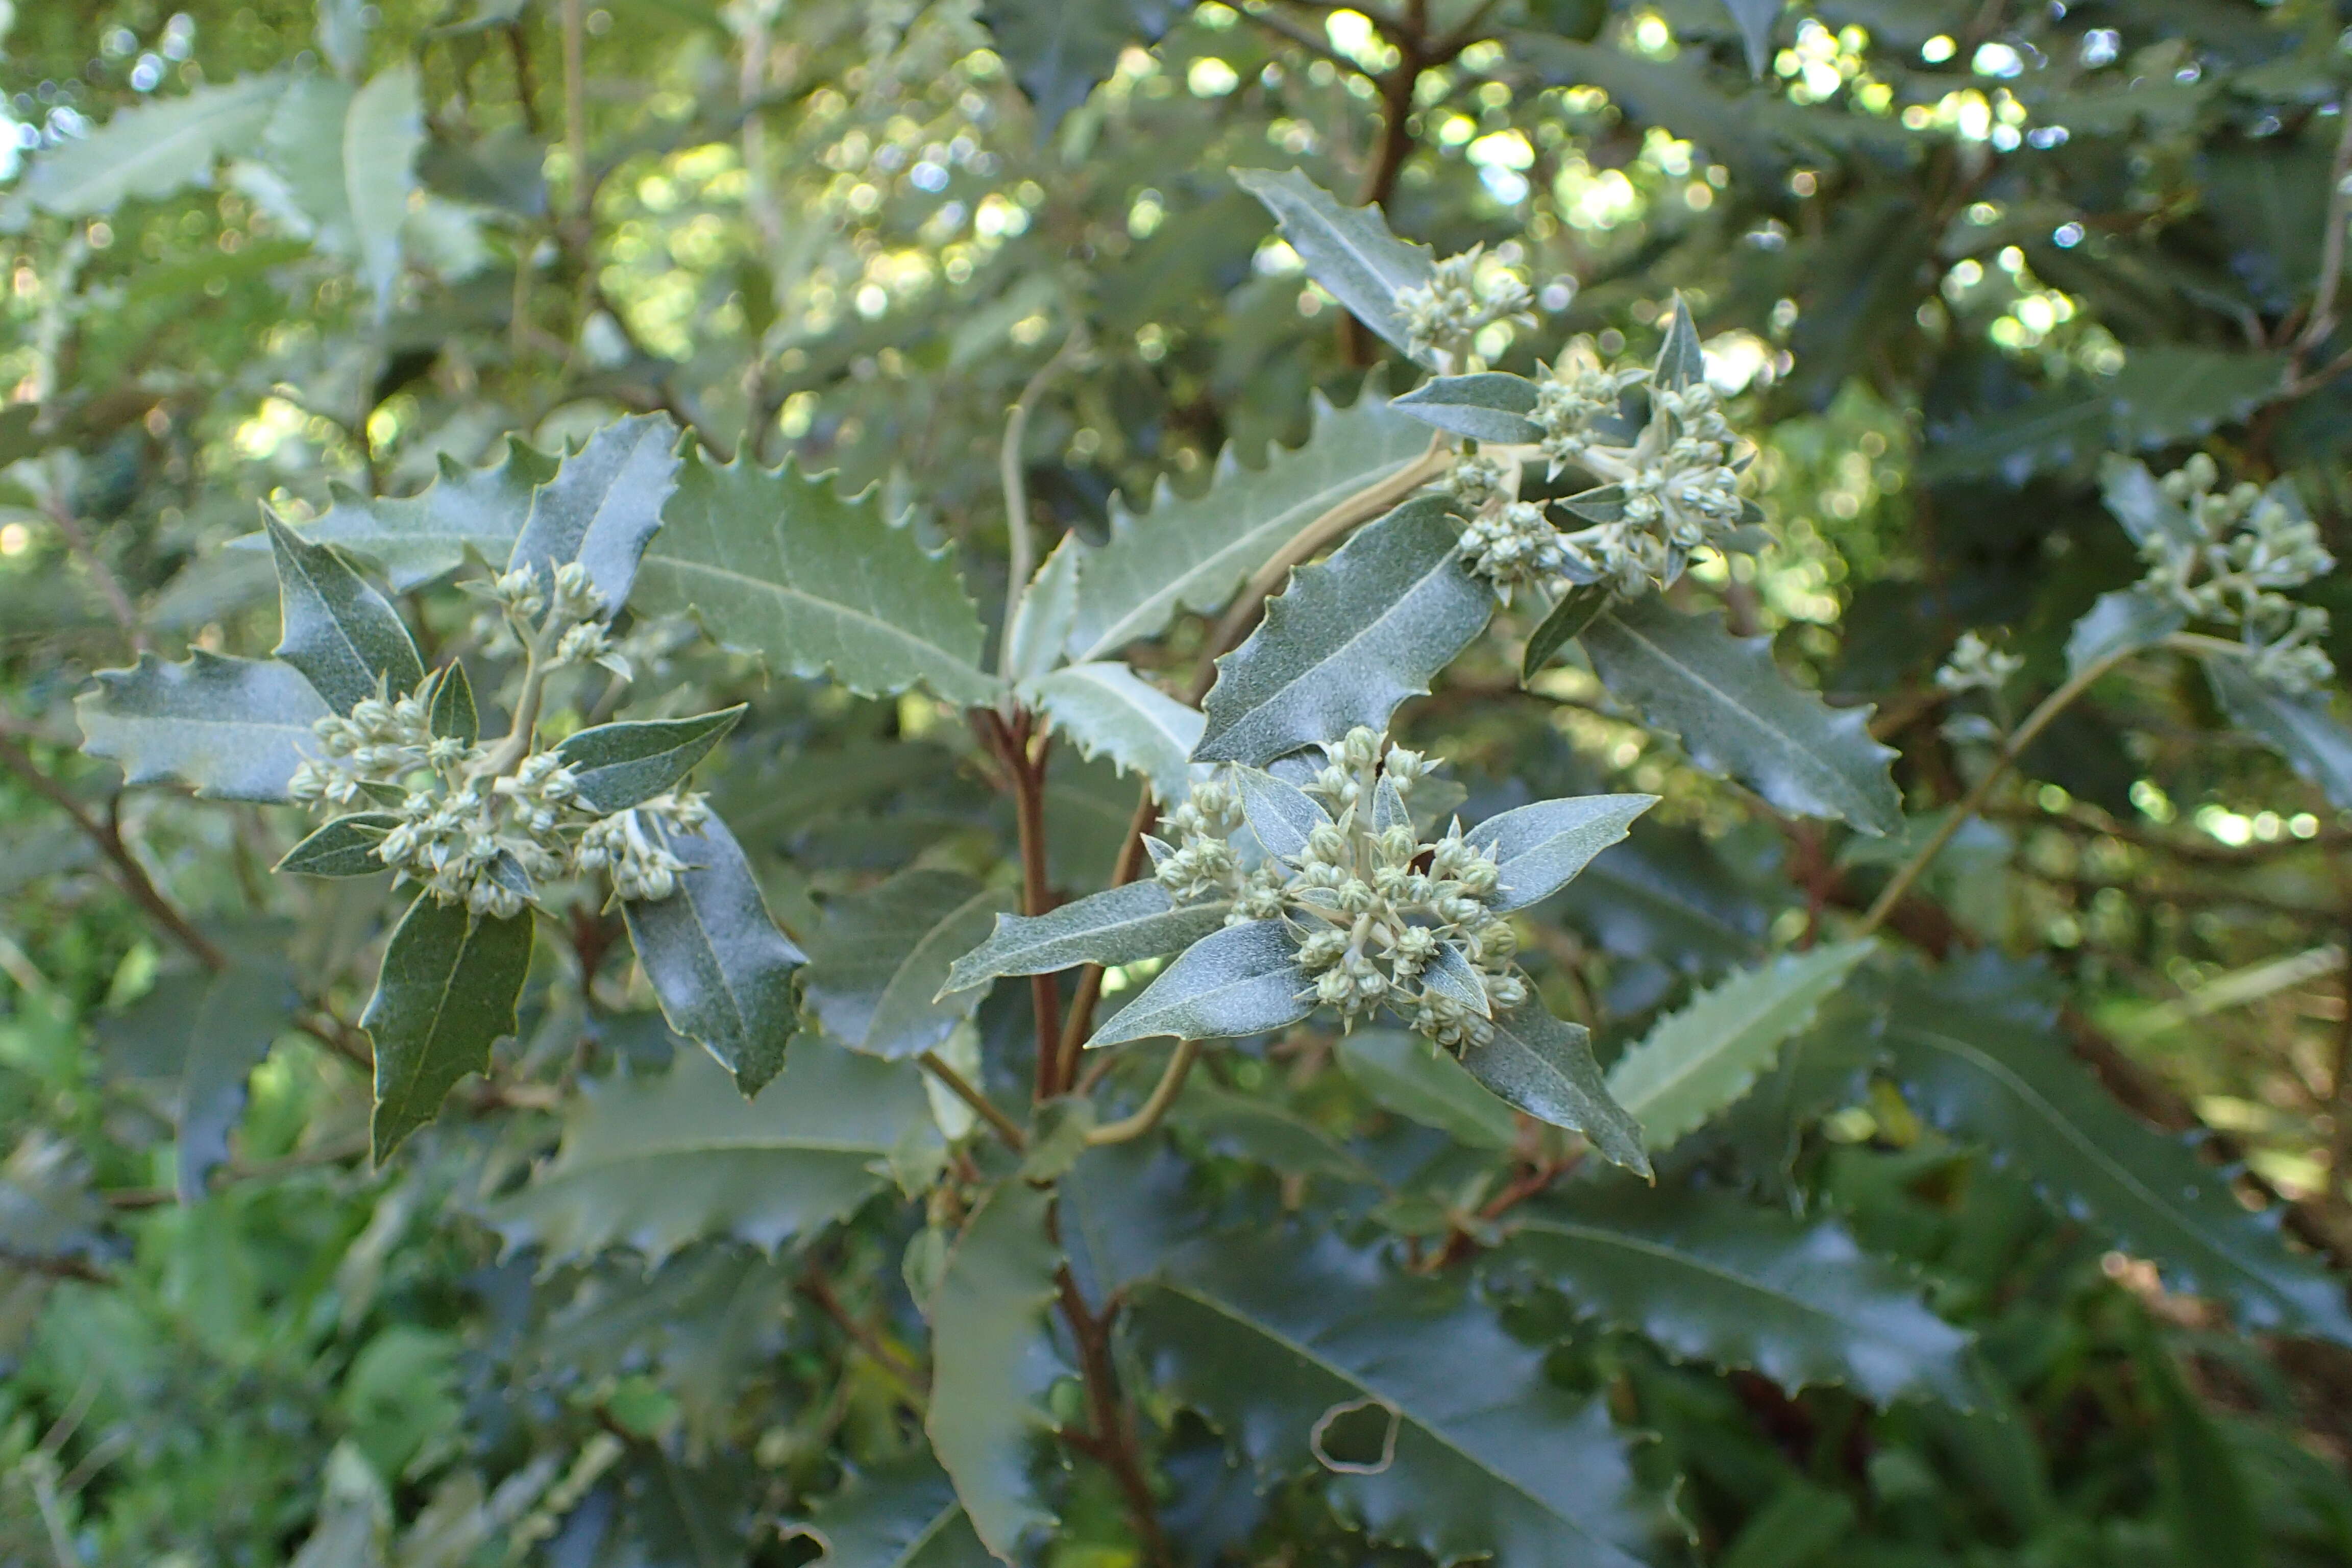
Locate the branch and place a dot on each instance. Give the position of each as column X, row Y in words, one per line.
column 2331, row 250
column 118, row 601
column 576, row 110
column 1081, row 1021
column 1163, row 1094
column 1022, row 562
column 1113, row 1442
column 963, row 1088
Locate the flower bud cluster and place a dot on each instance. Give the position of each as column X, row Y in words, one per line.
column 1374, row 908
column 2248, row 544
column 1976, row 666
column 1515, row 544
column 382, row 742
column 559, row 612
column 1445, row 313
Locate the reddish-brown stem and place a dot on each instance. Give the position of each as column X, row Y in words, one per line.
column 1111, row 1441
column 1090, row 979
column 1022, row 750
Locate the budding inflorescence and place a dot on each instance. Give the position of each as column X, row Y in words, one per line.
column 2247, row 544
column 1382, row 918
column 1442, row 315
column 1976, row 665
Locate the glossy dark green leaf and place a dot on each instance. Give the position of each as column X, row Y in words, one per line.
column 1709, row 1276
column 992, row 1359
column 1280, row 812
column 1577, row 609
column 901, row 1515
column 720, row 969
column 602, row 505
column 1256, row 1128
column 235, row 729
column 1349, row 640
column 1059, row 49
column 1348, row 250
column 203, row 1032
column 452, row 712
column 1736, row 714
column 2120, row 623
column 1119, row 925
column 1489, row 406
column 1544, row 1066
column 2302, row 728
column 878, row 965
column 446, row 997
column 343, row 847
column 342, row 635
column 1539, row 848
column 619, row 766
column 1405, row 1074
column 1239, row 981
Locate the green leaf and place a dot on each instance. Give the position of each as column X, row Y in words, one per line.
column 779, row 563
column 1242, row 980
column 1042, row 619
column 1489, row 406
column 1279, row 813
column 342, row 635
column 2165, row 393
column 1681, row 362
column 1544, row 1067
column 1121, row 925
column 1407, row 1075
column 345, row 165
column 2118, row 622
column 720, row 969
column 1576, row 610
column 602, row 505
column 2299, row 727
column 151, row 150
column 652, row 1164
column 621, row 765
column 878, row 966
column 417, row 539
column 1539, row 847
column 1711, row 1278
column 343, row 848
column 235, row 729
column 1982, row 1059
column 451, row 713
column 1111, row 711
column 904, row 1514
column 1059, row 49
column 992, row 1359
column 1736, row 714
column 446, row 997
column 1349, row 640
column 221, row 1038
column 2134, row 499
column 1694, row 1063
column 1192, row 553
column 1756, row 18
column 1348, row 250
column 1449, row 1437
column 1251, row 1127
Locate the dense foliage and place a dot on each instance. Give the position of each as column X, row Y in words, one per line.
column 1092, row 782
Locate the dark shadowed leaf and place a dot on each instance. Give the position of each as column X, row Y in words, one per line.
column 1576, row 610
column 1059, row 49
column 342, row 635
column 1120, row 925
column 602, row 505
column 1405, row 1074
column 1539, row 848
column 2299, row 727
column 904, row 1514
column 1242, row 980
column 877, row 967
column 2120, row 623
column 621, row 765
column 446, row 997
column 235, row 729
column 343, row 848
column 1348, row 250
column 1544, row 1067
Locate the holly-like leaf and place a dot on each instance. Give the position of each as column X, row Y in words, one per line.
column 602, row 505
column 1407, row 1075
column 1980, row 1054
column 779, row 563
column 2119, row 622
column 1709, row 1277
column 1111, row 711
column 451, row 713
column 1539, row 848
column 343, row 635
column 417, row 539
column 1059, row 49
column 1242, row 980
column 652, row 1164
column 1489, row 406
column 151, row 150
column 904, row 1514
column 446, row 997
column 619, row 766
column 878, row 966
column 1577, row 609
column 1695, row 1062
column 1349, row 640
column 1756, row 18
column 720, row 969
column 1192, row 553
column 1348, row 250
column 1120, row 925
column 2298, row 727
column 1282, row 815
column 993, row 1361
column 1042, row 619
column 1736, row 714
column 343, row 848
column 235, row 729
column 1544, row 1066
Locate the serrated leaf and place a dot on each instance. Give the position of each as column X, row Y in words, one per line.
column 621, row 765
column 992, row 1359
column 343, row 848
column 1544, row 1067
column 151, row 150
column 1348, row 250
column 238, row 1012
column 451, row 713
column 2300, row 727
column 904, row 1514
column 1407, row 1075
column 602, row 505
column 1539, row 848
column 235, row 729
column 1681, row 362
column 1121, row 925
column 1980, row 1057
column 1694, row 1063
column 652, row 1164
column 720, row 969
column 1111, row 711
column 1192, row 553
column 1711, row 1278
column 878, row 965
column 446, row 997
column 418, row 537
column 1242, row 980
column 2119, row 622
column 1042, row 619
column 1577, row 609
column 1059, row 49
column 1736, row 714
column 1349, row 640
column 1491, row 406
column 1279, row 813
column 342, row 635
column 777, row 562
column 1756, row 18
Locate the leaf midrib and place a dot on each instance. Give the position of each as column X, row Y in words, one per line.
column 835, row 607
column 984, row 898
column 1667, row 1087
